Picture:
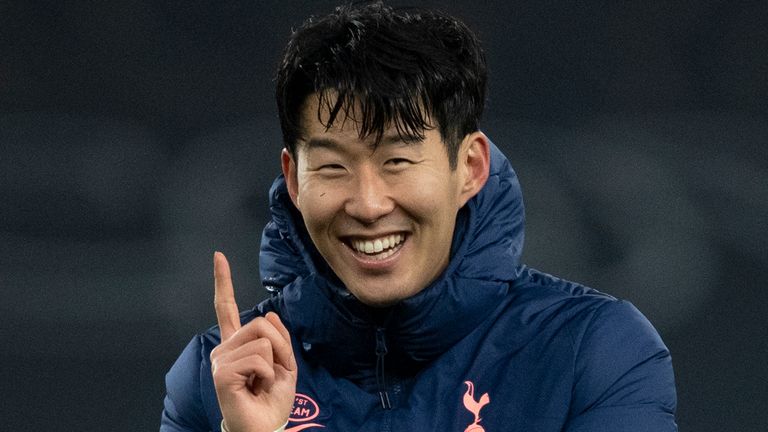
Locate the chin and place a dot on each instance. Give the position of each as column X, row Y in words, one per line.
column 370, row 298
column 376, row 301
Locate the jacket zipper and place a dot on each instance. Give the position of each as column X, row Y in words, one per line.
column 381, row 383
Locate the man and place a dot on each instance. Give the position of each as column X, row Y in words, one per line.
column 393, row 255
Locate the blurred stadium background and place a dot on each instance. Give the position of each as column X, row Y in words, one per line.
column 137, row 137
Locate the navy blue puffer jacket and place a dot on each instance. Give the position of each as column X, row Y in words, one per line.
column 491, row 345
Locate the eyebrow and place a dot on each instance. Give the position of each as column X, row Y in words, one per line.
column 327, row 143
column 331, row 144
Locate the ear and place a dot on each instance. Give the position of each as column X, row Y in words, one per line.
column 474, row 163
column 291, row 176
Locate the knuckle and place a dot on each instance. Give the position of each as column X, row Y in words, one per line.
column 264, row 343
column 215, row 367
column 270, row 374
column 256, row 326
column 260, row 322
column 261, row 348
column 216, row 352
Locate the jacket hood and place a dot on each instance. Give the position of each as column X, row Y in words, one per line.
column 485, row 256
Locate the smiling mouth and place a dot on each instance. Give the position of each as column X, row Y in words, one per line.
column 378, row 248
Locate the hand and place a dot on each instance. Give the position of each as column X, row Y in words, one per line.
column 253, row 368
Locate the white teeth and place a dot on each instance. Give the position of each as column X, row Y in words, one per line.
column 378, row 245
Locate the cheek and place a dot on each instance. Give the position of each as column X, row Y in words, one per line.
column 432, row 196
column 317, row 204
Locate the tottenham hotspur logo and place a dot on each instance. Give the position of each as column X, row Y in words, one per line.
column 474, row 406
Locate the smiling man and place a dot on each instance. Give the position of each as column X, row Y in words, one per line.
column 380, row 210
column 399, row 302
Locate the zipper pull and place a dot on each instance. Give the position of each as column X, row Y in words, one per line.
column 381, row 351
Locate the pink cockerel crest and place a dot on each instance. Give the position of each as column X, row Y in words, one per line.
column 474, row 406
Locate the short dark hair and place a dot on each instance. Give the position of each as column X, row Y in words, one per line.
column 408, row 68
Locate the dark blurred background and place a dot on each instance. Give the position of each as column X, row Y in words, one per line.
column 137, row 137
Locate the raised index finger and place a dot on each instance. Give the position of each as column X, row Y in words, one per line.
column 224, row 297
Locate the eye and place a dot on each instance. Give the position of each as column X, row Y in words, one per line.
column 333, row 167
column 399, row 161
column 329, row 170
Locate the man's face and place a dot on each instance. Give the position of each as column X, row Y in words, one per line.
column 382, row 218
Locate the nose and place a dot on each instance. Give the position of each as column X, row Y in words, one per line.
column 370, row 197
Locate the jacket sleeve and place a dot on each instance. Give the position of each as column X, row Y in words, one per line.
column 623, row 375
column 183, row 406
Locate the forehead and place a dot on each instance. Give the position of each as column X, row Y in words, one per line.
column 318, row 126
column 316, row 116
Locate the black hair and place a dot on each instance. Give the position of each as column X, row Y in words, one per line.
column 411, row 69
